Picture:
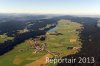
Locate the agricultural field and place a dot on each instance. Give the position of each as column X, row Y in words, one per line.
column 67, row 37
column 58, row 41
column 4, row 37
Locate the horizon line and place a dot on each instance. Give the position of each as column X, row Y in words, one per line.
column 49, row 13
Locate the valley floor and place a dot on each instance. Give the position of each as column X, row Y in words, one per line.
column 62, row 42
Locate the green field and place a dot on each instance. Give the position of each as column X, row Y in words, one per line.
column 61, row 42
column 4, row 37
column 64, row 37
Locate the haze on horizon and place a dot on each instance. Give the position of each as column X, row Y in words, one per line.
column 70, row 7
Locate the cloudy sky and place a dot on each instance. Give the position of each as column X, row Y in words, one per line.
column 72, row 7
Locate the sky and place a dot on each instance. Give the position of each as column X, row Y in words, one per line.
column 70, row 7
